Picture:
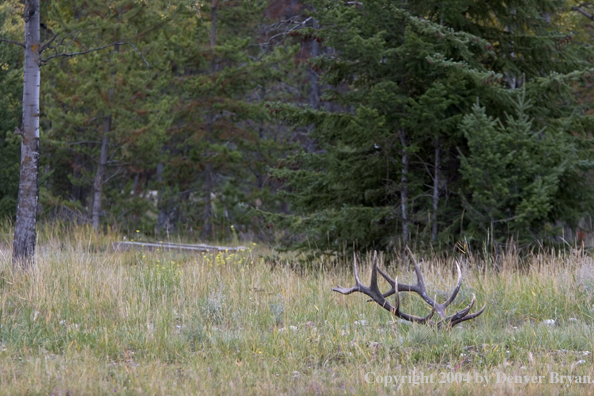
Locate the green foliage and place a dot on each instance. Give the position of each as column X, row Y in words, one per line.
column 11, row 86
column 125, row 83
column 194, row 110
column 405, row 77
column 393, row 151
column 222, row 139
column 514, row 175
column 9, row 177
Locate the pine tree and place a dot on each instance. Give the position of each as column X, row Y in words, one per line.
column 10, row 110
column 109, row 108
column 387, row 169
column 513, row 175
column 222, row 140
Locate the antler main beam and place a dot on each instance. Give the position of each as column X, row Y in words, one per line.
column 376, row 295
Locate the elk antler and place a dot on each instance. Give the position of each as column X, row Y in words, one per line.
column 377, row 296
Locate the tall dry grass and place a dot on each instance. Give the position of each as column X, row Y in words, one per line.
column 90, row 321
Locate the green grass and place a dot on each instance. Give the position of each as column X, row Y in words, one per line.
column 90, row 321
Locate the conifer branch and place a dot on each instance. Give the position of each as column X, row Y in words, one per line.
column 72, row 54
column 12, row 42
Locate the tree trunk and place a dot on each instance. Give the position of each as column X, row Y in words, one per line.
column 207, row 225
column 24, row 231
column 404, row 188
column 260, row 176
column 135, row 188
column 405, row 163
column 435, row 192
column 208, row 182
column 163, row 218
column 98, row 184
column 213, row 33
column 314, row 83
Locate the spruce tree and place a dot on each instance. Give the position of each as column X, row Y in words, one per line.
column 387, row 168
column 10, row 109
column 222, row 140
column 514, row 174
column 109, row 108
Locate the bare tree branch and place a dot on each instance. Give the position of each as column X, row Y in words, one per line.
column 112, row 176
column 75, row 33
column 584, row 13
column 83, row 142
column 292, row 24
column 72, row 54
column 12, row 42
column 46, row 45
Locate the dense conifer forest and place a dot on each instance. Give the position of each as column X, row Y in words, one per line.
column 317, row 124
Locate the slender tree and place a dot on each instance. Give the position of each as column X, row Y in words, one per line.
column 24, row 232
column 24, row 236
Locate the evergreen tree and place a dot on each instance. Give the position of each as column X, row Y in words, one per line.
column 222, row 140
column 513, row 175
column 11, row 85
column 388, row 167
column 108, row 108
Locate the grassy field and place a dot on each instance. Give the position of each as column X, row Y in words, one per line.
column 90, row 321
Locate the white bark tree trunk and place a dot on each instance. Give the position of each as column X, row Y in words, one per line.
column 404, row 188
column 163, row 218
column 314, row 81
column 435, row 191
column 100, row 175
column 207, row 230
column 24, row 232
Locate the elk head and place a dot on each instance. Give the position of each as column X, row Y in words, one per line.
column 376, row 295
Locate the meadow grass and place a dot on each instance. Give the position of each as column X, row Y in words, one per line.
column 91, row 321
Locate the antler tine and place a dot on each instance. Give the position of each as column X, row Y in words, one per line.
column 357, row 287
column 463, row 312
column 410, row 318
column 462, row 315
column 371, row 291
column 374, row 272
column 373, row 284
column 356, row 270
column 420, row 280
column 388, row 279
column 456, row 289
column 345, row 290
column 471, row 316
column 419, row 288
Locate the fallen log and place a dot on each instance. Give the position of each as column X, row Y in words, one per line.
column 170, row 246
